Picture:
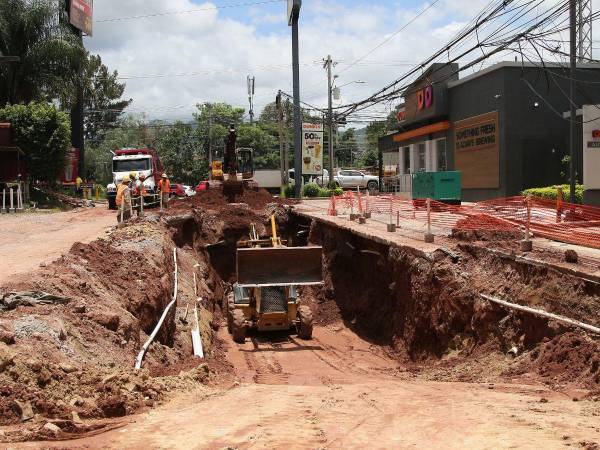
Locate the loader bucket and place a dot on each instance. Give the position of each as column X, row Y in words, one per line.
column 279, row 266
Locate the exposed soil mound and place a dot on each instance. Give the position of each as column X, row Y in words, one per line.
column 214, row 198
column 568, row 358
column 78, row 356
column 427, row 309
column 483, row 227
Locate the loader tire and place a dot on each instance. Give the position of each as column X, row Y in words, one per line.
column 305, row 322
column 238, row 326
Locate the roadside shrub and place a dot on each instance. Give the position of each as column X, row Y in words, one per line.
column 288, row 191
column 550, row 192
column 338, row 191
column 311, row 190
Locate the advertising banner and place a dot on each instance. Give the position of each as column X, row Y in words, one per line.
column 80, row 15
column 312, row 148
column 477, row 151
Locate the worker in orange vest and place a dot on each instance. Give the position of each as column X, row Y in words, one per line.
column 124, row 199
column 164, row 186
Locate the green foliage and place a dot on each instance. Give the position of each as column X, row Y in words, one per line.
column 311, row 190
column 550, row 192
column 51, row 55
column 346, row 147
column 44, row 133
column 288, row 191
column 370, row 158
column 182, row 154
column 102, row 97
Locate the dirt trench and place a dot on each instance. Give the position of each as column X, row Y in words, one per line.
column 427, row 311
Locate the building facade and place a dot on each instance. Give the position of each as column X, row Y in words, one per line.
column 502, row 127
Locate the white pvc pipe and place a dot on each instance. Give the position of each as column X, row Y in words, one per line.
column 4, row 200
column 140, row 357
column 10, row 194
column 542, row 313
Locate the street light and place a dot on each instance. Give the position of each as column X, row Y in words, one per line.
column 352, row 82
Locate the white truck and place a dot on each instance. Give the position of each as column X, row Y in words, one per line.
column 351, row 179
column 144, row 161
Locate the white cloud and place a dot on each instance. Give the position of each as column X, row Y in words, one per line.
column 225, row 50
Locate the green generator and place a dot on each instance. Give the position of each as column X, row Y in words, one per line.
column 440, row 186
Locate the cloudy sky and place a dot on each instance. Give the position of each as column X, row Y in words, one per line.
column 204, row 50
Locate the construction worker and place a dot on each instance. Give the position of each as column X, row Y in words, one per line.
column 164, row 186
column 124, row 199
column 78, row 182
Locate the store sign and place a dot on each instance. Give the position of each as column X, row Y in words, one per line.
column 476, row 136
column 591, row 147
column 477, row 151
column 80, row 15
column 312, row 149
column 401, row 116
column 425, row 97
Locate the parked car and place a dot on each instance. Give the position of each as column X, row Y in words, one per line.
column 202, row 186
column 351, row 179
column 189, row 190
column 177, row 190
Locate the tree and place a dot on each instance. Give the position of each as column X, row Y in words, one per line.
column 44, row 134
column 102, row 97
column 346, row 147
column 180, row 148
column 50, row 54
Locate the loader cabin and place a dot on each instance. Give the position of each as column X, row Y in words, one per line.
column 491, row 126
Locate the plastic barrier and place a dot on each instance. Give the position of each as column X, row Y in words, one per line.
column 555, row 220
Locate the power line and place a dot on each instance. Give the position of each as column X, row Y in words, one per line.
column 392, row 36
column 190, row 11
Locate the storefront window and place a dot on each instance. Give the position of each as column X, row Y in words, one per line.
column 421, row 154
column 442, row 164
column 406, row 151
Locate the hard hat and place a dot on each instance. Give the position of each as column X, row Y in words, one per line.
column 132, row 174
column 126, row 179
column 164, row 175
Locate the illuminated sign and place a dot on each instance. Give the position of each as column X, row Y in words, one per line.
column 596, row 134
column 425, row 97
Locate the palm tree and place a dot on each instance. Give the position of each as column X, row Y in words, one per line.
column 50, row 53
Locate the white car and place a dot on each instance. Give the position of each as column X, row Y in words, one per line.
column 351, row 179
column 189, row 190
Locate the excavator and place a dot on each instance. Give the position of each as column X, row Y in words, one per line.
column 235, row 171
column 265, row 295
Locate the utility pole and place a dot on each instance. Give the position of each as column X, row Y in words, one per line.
column 281, row 151
column 77, row 132
column 573, row 64
column 327, row 65
column 293, row 16
column 250, row 83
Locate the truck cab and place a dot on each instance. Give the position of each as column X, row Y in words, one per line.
column 144, row 161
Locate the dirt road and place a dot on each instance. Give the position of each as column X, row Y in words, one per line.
column 26, row 240
column 338, row 391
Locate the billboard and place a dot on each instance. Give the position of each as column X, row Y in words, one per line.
column 312, row 148
column 80, row 15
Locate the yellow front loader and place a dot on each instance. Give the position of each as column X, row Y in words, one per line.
column 265, row 296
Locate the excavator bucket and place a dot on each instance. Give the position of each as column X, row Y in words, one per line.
column 279, row 266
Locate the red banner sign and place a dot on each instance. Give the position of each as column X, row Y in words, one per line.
column 80, row 15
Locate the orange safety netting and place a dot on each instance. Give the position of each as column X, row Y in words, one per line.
column 556, row 220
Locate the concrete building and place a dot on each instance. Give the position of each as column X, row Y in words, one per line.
column 501, row 127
